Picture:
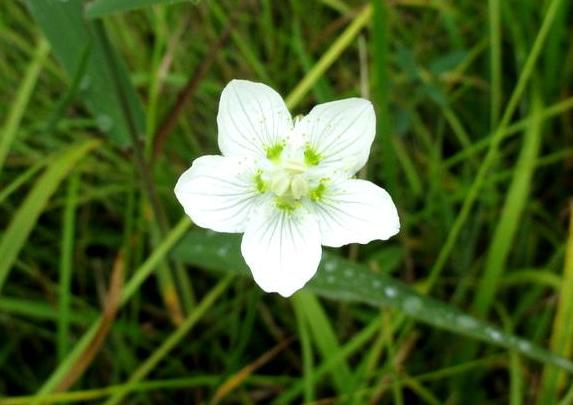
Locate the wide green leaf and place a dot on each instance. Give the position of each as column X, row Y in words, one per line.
column 101, row 8
column 343, row 280
column 69, row 34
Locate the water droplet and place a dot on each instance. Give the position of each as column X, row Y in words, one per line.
column 349, row 273
column 495, row 335
column 466, row 322
column 223, row 251
column 376, row 284
column 562, row 362
column 86, row 81
column 330, row 279
column 412, row 304
column 104, row 122
column 524, row 346
column 330, row 266
column 390, row 292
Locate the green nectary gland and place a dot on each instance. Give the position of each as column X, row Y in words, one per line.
column 317, row 193
column 274, row 152
column 287, row 204
column 259, row 182
column 289, row 190
column 311, row 156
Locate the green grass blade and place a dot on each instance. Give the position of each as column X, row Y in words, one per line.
column 23, row 95
column 169, row 343
column 381, row 31
column 131, row 287
column 344, row 280
column 38, row 310
column 66, row 264
column 352, row 346
column 323, row 334
column 101, row 8
column 514, row 129
column 329, row 57
column 306, row 355
column 511, row 214
column 562, row 335
column 21, row 180
column 64, row 19
column 493, row 151
column 494, row 60
column 23, row 222
column 98, row 393
column 322, row 89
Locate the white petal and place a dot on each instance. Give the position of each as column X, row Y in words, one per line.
column 282, row 249
column 341, row 132
column 252, row 117
column 356, row 211
column 219, row 192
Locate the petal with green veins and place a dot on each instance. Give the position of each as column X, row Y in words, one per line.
column 355, row 211
column 340, row 133
column 218, row 192
column 282, row 249
column 252, row 118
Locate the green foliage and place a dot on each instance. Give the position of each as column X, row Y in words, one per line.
column 343, row 280
column 473, row 142
column 24, row 219
column 101, row 8
column 70, row 35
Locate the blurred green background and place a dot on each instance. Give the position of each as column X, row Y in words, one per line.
column 108, row 294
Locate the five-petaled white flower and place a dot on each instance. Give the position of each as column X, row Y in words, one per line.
column 287, row 184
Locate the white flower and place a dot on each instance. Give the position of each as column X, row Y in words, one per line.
column 287, row 184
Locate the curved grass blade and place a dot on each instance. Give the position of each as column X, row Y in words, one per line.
column 25, row 218
column 131, row 287
column 23, row 95
column 342, row 280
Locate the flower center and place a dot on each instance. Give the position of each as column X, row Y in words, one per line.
column 288, row 180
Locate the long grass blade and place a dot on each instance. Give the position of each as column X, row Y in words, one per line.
column 344, row 280
column 10, row 129
column 24, row 220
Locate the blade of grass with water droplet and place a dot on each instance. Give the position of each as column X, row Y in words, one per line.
column 343, row 280
column 58, row 20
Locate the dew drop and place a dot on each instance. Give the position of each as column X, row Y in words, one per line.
column 330, row 266
column 349, row 273
column 330, row 279
column 412, row 304
column 495, row 335
column 390, row 292
column 466, row 322
column 524, row 346
column 86, row 81
column 104, row 122
column 562, row 362
column 376, row 284
column 222, row 251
